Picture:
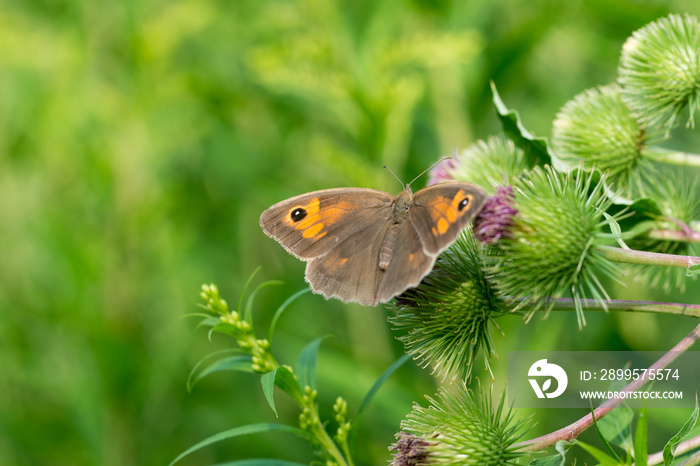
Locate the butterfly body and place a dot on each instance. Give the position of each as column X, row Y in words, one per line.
column 365, row 245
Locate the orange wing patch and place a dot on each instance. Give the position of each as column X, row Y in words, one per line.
column 312, row 220
column 445, row 212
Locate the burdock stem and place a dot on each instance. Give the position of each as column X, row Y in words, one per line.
column 572, row 431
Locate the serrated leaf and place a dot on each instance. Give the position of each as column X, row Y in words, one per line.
column 238, row 431
column 248, row 312
column 282, row 308
column 371, row 393
column 306, row 364
column 670, row 447
column 242, row 363
column 603, row 458
column 537, row 151
column 640, row 438
column 616, row 427
column 283, row 378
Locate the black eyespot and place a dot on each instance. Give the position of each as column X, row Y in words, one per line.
column 462, row 205
column 298, row 214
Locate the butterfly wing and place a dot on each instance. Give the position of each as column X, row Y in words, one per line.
column 439, row 212
column 312, row 224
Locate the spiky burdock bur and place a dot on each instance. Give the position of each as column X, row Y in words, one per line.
column 677, row 198
column 549, row 249
column 659, row 70
column 597, row 130
column 447, row 317
column 485, row 163
column 459, row 428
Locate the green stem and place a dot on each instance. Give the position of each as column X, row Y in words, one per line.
column 692, row 310
column 631, row 256
column 572, row 431
column 659, row 154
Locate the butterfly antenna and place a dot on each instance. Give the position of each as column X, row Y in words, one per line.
column 390, row 171
column 428, row 169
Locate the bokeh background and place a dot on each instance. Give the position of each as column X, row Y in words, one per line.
column 140, row 141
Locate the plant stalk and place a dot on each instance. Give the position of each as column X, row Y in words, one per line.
column 692, row 310
column 572, row 431
column 672, row 157
column 631, row 256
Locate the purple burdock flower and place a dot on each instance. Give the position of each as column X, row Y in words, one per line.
column 495, row 217
column 441, row 171
column 410, row 449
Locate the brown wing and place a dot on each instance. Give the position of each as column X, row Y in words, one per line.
column 439, row 212
column 312, row 224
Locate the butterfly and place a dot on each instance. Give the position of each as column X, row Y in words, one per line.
column 368, row 246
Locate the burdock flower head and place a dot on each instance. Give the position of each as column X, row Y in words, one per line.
column 485, row 163
column 447, row 318
column 597, row 130
column 459, row 428
column 550, row 248
column 659, row 70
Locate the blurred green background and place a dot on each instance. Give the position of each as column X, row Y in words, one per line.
column 140, row 141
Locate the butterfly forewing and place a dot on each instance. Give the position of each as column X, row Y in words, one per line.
column 310, row 225
column 441, row 211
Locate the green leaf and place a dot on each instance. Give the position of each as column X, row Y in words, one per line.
column 306, row 364
column 240, row 363
column 370, row 395
column 603, row 458
column 605, row 442
column 616, row 427
column 245, row 287
column 284, row 378
column 678, row 438
column 238, row 431
column 537, row 151
column 248, row 312
column 555, row 460
column 282, row 308
column 226, row 328
column 640, row 438
column 616, row 230
column 693, row 270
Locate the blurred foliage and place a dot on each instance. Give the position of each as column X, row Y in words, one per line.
column 141, row 140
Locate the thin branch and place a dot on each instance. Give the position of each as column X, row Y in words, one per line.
column 572, row 431
column 631, row 256
column 659, row 154
column 692, row 310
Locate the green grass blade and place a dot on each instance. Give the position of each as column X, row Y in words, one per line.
column 282, row 308
column 371, row 393
column 240, row 363
column 640, row 438
column 248, row 312
column 238, row 431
